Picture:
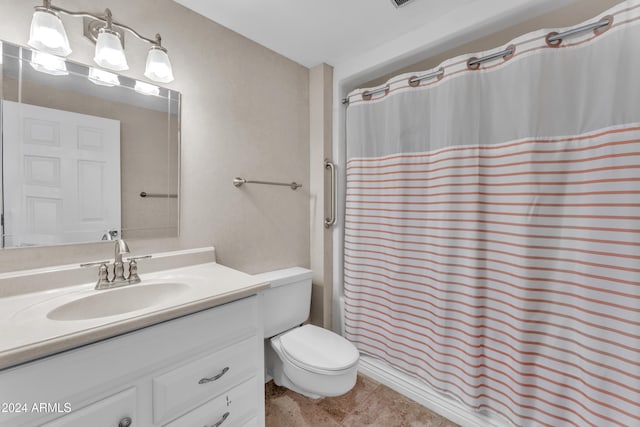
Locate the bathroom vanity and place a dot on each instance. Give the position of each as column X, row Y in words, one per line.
column 195, row 359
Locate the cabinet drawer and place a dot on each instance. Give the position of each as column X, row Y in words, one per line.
column 204, row 378
column 253, row 422
column 107, row 412
column 227, row 410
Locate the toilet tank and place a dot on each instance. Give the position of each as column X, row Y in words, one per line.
column 287, row 302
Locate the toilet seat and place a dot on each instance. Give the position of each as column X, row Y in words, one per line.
column 318, row 350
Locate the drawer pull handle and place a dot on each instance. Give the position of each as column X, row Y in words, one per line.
column 125, row 422
column 214, row 378
column 219, row 423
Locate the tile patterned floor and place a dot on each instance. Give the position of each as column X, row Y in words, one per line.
column 368, row 404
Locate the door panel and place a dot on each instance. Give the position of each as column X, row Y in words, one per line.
column 61, row 176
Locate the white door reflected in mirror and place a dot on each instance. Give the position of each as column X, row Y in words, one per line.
column 61, row 174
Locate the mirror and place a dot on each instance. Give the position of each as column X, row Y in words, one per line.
column 87, row 155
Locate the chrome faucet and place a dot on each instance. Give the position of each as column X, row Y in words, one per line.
column 118, row 265
column 118, row 278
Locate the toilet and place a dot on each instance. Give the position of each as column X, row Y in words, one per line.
column 307, row 359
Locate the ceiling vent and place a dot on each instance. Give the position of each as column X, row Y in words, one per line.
column 398, row 3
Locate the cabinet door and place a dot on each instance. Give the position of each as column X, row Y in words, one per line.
column 113, row 411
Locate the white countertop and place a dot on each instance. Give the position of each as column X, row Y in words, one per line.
column 26, row 333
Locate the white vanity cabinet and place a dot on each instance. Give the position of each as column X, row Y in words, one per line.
column 203, row 369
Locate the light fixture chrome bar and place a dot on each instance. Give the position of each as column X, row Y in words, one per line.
column 144, row 194
column 579, row 30
column 428, row 76
column 477, row 61
column 103, row 19
column 91, row 28
column 238, row 182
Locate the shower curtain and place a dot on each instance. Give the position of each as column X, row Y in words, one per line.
column 492, row 227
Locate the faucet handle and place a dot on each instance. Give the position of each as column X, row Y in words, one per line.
column 93, row 264
column 103, row 276
column 133, row 271
column 133, row 268
column 103, row 273
column 135, row 258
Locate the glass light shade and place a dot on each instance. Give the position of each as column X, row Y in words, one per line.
column 47, row 34
column 49, row 64
column 147, row 89
column 103, row 78
column 109, row 52
column 158, row 65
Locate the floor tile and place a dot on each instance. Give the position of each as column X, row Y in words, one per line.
column 284, row 408
column 339, row 407
column 386, row 408
column 368, row 404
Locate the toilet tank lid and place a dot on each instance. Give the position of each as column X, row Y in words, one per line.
column 285, row 276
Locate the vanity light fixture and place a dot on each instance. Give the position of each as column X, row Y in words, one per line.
column 49, row 64
column 158, row 63
column 103, row 78
column 47, row 32
column 48, row 35
column 146, row 88
column 109, row 50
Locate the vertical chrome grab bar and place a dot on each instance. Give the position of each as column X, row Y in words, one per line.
column 328, row 222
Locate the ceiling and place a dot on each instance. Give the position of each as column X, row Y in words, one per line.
column 311, row 32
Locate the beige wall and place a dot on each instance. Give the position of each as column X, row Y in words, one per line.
column 567, row 16
column 245, row 112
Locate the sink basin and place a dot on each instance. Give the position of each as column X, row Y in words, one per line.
column 118, row 301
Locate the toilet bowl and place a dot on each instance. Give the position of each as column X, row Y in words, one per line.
column 307, row 359
column 314, row 362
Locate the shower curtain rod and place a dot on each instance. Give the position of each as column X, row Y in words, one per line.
column 474, row 63
column 557, row 37
column 432, row 75
column 553, row 39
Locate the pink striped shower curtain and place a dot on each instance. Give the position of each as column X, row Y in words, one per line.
column 492, row 229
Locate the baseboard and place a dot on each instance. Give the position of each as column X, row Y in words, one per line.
column 418, row 392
